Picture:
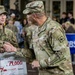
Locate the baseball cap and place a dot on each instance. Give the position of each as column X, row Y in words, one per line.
column 2, row 9
column 34, row 7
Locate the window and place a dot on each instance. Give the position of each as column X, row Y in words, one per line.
column 69, row 6
column 56, row 9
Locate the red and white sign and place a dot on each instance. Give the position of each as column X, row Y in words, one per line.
column 12, row 67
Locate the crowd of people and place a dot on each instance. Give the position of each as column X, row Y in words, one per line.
column 67, row 17
column 18, row 25
column 67, row 22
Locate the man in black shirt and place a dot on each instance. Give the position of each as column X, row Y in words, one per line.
column 63, row 18
column 70, row 17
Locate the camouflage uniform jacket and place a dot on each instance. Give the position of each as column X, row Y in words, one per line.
column 13, row 28
column 7, row 35
column 27, row 52
column 51, row 48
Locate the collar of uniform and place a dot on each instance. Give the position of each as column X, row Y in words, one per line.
column 43, row 27
column 2, row 31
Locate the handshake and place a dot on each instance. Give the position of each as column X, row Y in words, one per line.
column 6, row 47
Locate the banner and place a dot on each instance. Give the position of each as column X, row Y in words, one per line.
column 71, row 41
column 11, row 65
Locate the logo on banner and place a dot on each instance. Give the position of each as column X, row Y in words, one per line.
column 71, row 41
column 71, row 44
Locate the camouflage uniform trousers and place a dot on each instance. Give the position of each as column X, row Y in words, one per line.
column 52, row 72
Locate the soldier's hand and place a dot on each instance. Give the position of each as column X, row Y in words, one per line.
column 35, row 64
column 9, row 47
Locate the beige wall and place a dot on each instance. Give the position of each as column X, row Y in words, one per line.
column 74, row 8
column 12, row 6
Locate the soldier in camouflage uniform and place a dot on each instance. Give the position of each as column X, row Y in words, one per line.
column 6, row 35
column 49, row 43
